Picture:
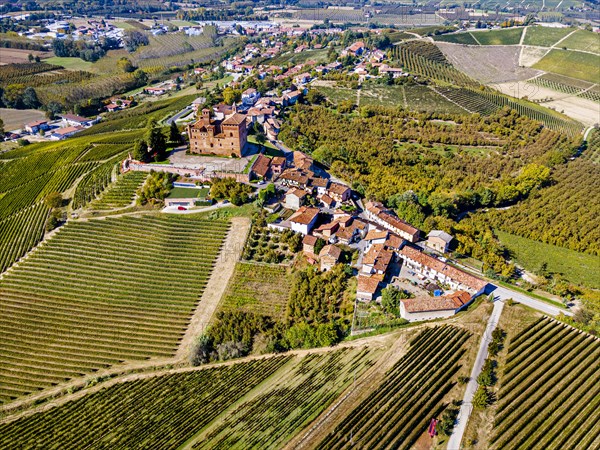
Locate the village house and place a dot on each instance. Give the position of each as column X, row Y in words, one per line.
column 291, row 98
column 430, row 308
column 356, row 49
column 225, row 137
column 271, row 128
column 377, row 213
column 436, row 270
column 327, row 230
column 367, row 286
column 65, row 132
column 326, row 201
column 375, row 236
column 250, row 96
column 308, row 245
column 261, row 166
column 329, row 256
column 75, row 120
column 339, row 192
column 439, row 240
column 304, row 220
column 36, row 126
column 320, row 184
column 277, row 166
column 377, row 260
column 294, row 177
column 295, row 198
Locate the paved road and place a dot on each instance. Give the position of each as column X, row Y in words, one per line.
column 502, row 293
column 467, row 403
column 185, row 111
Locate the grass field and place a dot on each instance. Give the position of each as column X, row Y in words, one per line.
column 583, row 40
column 510, row 36
column 17, row 118
column 545, row 36
column 583, row 66
column 457, row 38
column 337, row 94
column 98, row 293
column 577, row 267
column 258, row 288
column 320, row 56
column 549, row 395
column 71, row 63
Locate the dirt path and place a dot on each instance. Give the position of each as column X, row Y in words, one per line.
column 217, row 283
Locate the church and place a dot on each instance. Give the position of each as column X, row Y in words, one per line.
column 226, row 137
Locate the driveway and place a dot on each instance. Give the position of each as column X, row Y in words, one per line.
column 502, row 293
column 467, row 404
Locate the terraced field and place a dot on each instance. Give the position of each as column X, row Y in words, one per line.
column 550, row 390
column 399, row 409
column 122, row 193
column 99, row 293
column 258, row 288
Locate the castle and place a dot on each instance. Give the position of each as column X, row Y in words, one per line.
column 225, row 137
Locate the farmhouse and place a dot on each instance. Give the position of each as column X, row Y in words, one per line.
column 75, row 120
column 221, row 137
column 329, row 256
column 429, row 308
column 63, row 133
column 36, row 126
column 308, row 247
column 437, row 270
column 367, row 286
column 377, row 213
column 377, row 260
column 294, row 198
column 262, row 166
column 303, row 220
column 439, row 241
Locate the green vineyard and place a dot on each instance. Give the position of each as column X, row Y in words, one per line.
column 258, row 288
column 94, row 182
column 122, row 193
column 268, row 420
column 98, row 294
column 469, row 100
column 550, row 390
column 160, row 412
column 399, row 409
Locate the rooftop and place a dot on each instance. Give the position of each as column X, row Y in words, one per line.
column 304, row 215
column 445, row 303
column 441, row 235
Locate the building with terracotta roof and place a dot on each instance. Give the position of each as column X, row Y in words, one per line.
column 304, row 220
column 261, row 166
column 439, row 271
column 377, row 260
column 294, row 198
column 339, row 192
column 329, row 256
column 225, row 137
column 277, row 166
column 429, row 308
column 439, row 240
column 377, row 213
column 367, row 286
column 293, row 177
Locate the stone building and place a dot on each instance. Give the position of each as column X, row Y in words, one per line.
column 226, row 137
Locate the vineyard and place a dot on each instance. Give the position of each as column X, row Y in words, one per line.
column 566, row 213
column 94, row 182
column 20, row 233
column 175, row 44
column 415, row 63
column 550, row 390
column 469, row 100
column 157, row 412
column 122, row 193
column 270, row 419
column 53, row 77
column 12, row 73
column 258, row 288
column 398, row 411
column 96, row 295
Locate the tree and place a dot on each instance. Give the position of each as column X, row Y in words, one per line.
column 140, row 151
column 2, row 131
column 174, row 134
column 125, row 65
column 30, row 58
column 482, row 398
column 157, row 144
column 30, row 98
column 54, row 200
column 231, row 96
column 315, row 97
column 141, row 78
column 132, row 39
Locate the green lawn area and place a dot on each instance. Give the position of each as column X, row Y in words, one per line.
column 510, row 36
column 337, row 94
column 577, row 267
column 267, row 144
column 70, row 63
column 123, row 25
column 456, row 38
column 179, row 192
column 544, row 36
column 320, row 56
column 583, row 66
column 583, row 40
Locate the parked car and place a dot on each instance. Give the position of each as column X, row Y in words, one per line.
column 182, row 208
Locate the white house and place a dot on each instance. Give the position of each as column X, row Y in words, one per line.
column 429, row 308
column 250, row 96
column 294, row 198
column 304, row 220
column 439, row 240
column 75, row 120
column 377, row 213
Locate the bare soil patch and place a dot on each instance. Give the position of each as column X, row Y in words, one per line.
column 17, row 118
column 15, row 55
column 488, row 64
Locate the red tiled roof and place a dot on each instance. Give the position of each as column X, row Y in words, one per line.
column 297, row 192
column 376, row 234
column 368, row 284
column 450, row 271
column 445, row 303
column 304, row 215
column 261, row 165
column 235, row 119
column 338, row 188
column 331, row 251
column 278, row 161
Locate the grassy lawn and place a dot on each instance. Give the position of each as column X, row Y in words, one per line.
column 583, row 66
column 544, row 36
column 456, row 38
column 267, row 144
column 337, row 94
column 510, row 36
column 583, row 40
column 320, row 56
column 123, row 25
column 577, row 267
column 179, row 192
column 70, row 63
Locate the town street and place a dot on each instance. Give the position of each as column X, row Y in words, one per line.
column 502, row 293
